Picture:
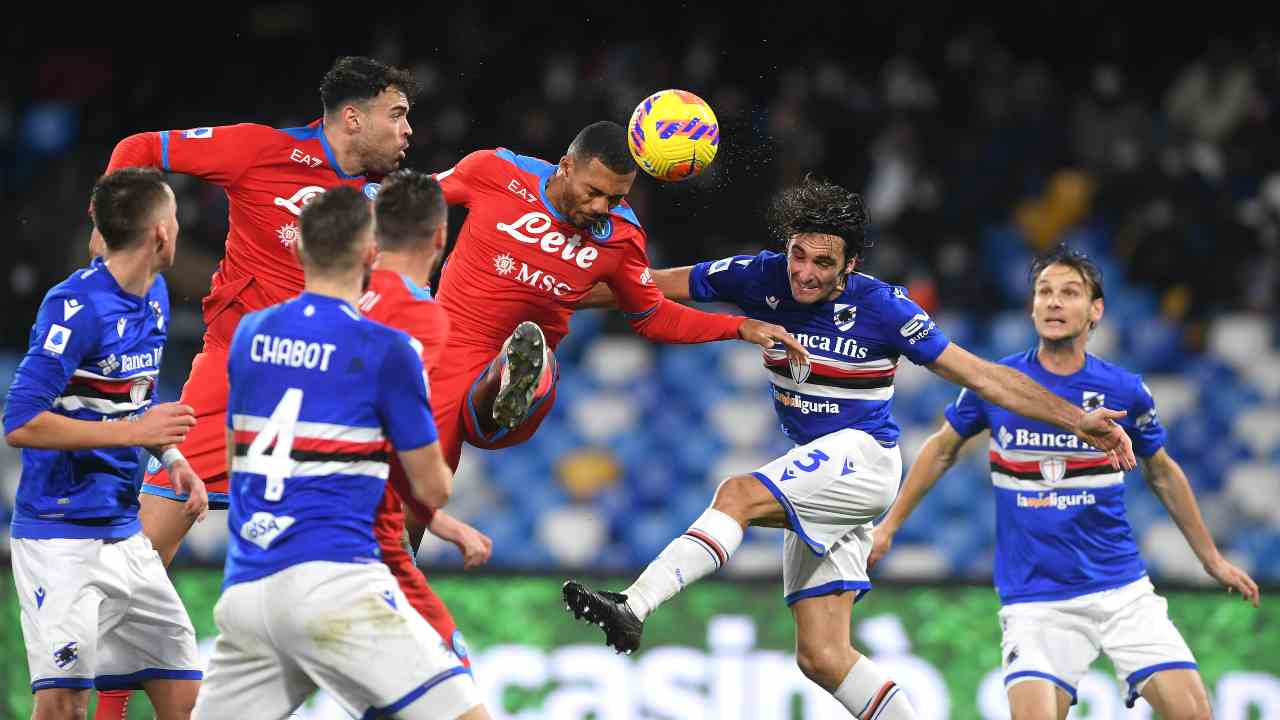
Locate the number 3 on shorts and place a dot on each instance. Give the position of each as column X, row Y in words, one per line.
column 277, row 465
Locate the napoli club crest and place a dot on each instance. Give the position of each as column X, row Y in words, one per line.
column 602, row 229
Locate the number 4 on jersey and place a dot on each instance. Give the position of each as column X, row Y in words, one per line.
column 277, row 465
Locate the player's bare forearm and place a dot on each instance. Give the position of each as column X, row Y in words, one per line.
column 1170, row 484
column 936, row 456
column 50, row 431
column 430, row 479
column 1006, row 387
column 599, row 296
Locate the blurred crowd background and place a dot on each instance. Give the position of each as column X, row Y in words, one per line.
column 976, row 141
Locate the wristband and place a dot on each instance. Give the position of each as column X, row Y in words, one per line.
column 171, row 456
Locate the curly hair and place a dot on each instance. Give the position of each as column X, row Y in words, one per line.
column 356, row 78
column 820, row 206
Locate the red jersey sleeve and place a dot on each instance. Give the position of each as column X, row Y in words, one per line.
column 219, row 155
column 459, row 182
column 655, row 317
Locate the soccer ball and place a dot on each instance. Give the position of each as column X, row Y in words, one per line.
column 673, row 135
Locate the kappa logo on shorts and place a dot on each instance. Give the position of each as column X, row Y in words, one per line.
column 390, row 598
column 39, row 597
column 1012, row 656
column 66, row 654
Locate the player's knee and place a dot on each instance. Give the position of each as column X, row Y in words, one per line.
column 733, row 497
column 61, row 705
column 825, row 663
column 1196, row 708
column 1031, row 713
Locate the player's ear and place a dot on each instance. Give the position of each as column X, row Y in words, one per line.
column 1095, row 311
column 441, row 237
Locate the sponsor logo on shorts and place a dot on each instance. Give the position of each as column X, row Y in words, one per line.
column 200, row 133
column 1056, row 500
column 66, row 654
column 153, row 465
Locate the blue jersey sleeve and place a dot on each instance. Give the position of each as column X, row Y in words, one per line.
column 727, row 280
column 1142, row 423
column 968, row 414
column 403, row 406
column 909, row 329
column 65, row 332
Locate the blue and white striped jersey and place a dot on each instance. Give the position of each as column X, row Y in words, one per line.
column 317, row 392
column 94, row 354
column 1061, row 529
column 854, row 341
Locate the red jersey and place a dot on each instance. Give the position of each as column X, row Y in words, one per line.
column 517, row 259
column 269, row 175
column 393, row 300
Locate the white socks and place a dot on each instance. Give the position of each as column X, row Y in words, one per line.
column 869, row 694
column 701, row 550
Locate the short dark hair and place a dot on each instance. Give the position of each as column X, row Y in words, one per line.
column 123, row 202
column 1074, row 259
column 607, row 142
column 819, row 206
column 409, row 205
column 358, row 78
column 330, row 225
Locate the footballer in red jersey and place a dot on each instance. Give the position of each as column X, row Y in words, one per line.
column 536, row 239
column 269, row 174
column 411, row 226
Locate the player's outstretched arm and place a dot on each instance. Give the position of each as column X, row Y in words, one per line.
column 1011, row 389
column 673, row 282
column 936, row 457
column 430, row 479
column 1169, row 483
column 165, row 424
column 475, row 546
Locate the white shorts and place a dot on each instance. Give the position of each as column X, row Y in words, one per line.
column 1057, row 640
column 343, row 627
column 99, row 613
column 832, row 489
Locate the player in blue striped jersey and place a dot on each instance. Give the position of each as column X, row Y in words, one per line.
column 1070, row 578
column 98, row 609
column 317, row 395
column 846, row 466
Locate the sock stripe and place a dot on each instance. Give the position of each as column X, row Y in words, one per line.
column 874, row 704
column 887, row 701
column 705, row 548
column 722, row 557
